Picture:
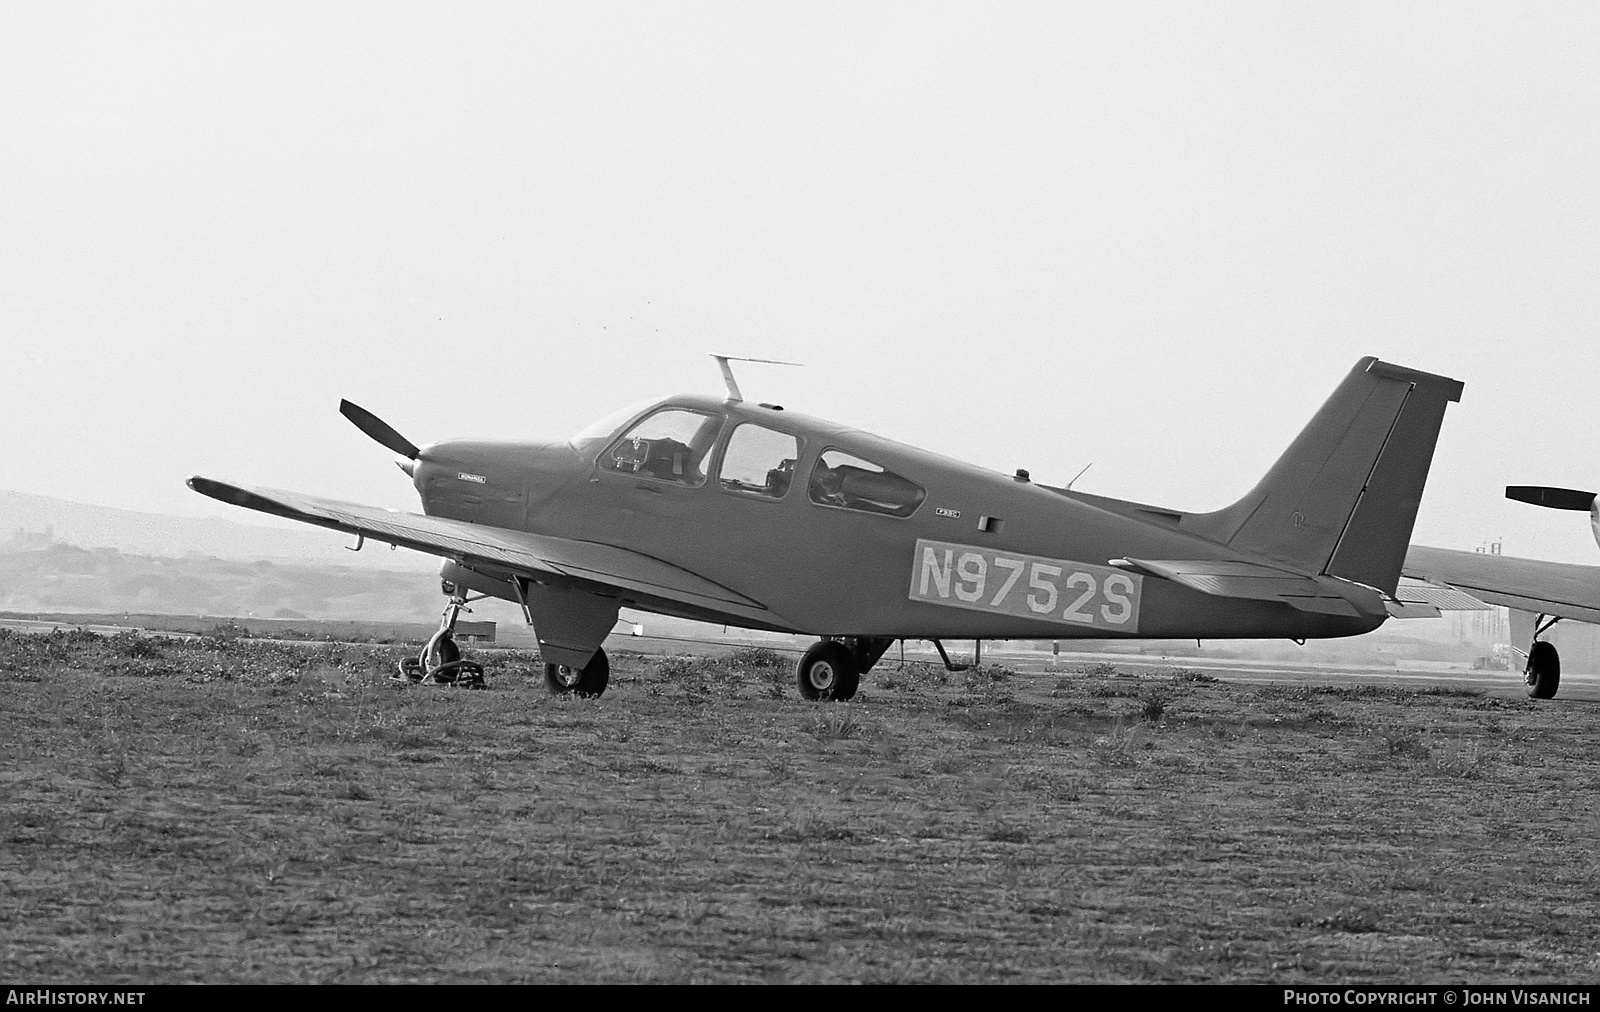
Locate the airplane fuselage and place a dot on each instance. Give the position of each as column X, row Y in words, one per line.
column 982, row 555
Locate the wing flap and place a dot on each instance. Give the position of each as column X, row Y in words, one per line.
column 466, row 542
column 1249, row 580
column 1442, row 597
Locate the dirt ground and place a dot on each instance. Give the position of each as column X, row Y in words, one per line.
column 225, row 810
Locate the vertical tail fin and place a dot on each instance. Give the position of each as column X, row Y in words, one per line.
column 1343, row 497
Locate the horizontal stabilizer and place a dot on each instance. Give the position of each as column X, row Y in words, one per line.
column 1399, row 609
column 1227, row 578
column 548, row 558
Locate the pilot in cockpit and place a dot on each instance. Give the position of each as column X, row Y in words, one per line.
column 671, row 445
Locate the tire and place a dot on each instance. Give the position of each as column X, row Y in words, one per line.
column 827, row 672
column 444, row 652
column 590, row 683
column 1543, row 671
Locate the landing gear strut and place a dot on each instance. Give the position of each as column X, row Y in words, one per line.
column 832, row 669
column 1543, row 671
column 440, row 661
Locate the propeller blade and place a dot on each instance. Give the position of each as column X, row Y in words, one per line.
column 378, row 429
column 1554, row 498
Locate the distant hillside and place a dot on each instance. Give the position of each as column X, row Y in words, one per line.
column 50, row 520
column 68, row 578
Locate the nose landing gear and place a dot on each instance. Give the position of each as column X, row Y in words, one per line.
column 439, row 662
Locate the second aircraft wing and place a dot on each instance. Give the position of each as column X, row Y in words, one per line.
column 1549, row 588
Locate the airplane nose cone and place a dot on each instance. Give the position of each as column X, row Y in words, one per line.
column 408, row 466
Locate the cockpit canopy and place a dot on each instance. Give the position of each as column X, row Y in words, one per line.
column 678, row 443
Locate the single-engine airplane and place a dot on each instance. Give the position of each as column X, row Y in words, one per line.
column 1539, row 593
column 750, row 515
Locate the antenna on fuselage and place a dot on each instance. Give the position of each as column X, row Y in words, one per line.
column 727, row 371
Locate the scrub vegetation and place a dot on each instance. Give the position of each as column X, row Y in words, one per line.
column 221, row 809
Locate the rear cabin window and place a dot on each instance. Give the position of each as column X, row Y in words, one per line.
column 759, row 461
column 670, row 445
column 851, row 483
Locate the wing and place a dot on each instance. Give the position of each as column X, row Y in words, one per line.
column 1549, row 588
column 538, row 555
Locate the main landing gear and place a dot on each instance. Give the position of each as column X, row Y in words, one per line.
column 586, row 683
column 440, row 661
column 832, row 669
column 1543, row 671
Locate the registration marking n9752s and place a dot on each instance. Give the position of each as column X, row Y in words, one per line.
column 1031, row 586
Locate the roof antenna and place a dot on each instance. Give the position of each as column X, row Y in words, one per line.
column 1080, row 474
column 727, row 373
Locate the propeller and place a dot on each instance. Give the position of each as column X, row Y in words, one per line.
column 381, row 431
column 1553, row 498
column 1560, row 499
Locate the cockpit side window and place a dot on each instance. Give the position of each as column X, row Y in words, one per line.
column 670, row 445
column 851, row 483
column 759, row 461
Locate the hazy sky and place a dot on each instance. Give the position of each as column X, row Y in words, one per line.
column 1151, row 236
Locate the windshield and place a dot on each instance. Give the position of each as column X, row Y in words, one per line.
column 604, row 428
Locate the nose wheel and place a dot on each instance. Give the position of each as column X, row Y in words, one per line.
column 439, row 662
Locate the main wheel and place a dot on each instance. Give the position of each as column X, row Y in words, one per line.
column 588, row 683
column 827, row 671
column 1544, row 670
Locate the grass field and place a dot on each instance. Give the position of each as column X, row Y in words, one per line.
column 225, row 810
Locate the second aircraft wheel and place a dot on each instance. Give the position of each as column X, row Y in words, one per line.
column 1544, row 670
column 827, row 671
column 588, row 683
